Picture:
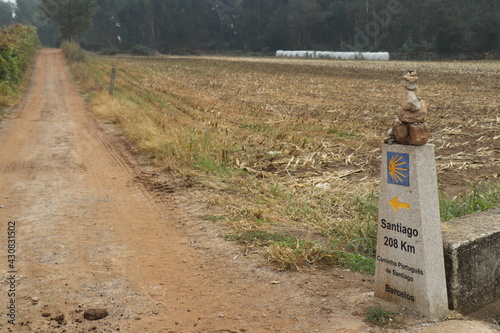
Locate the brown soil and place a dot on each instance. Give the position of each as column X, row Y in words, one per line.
column 92, row 233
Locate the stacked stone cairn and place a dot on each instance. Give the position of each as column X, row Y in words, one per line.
column 410, row 126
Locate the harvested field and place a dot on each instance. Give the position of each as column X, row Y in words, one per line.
column 292, row 146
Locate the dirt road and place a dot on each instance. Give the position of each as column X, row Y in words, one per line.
column 89, row 234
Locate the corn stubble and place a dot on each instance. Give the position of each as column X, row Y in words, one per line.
column 294, row 145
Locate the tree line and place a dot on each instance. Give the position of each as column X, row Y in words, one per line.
column 191, row 26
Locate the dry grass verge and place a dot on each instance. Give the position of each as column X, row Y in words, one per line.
column 292, row 147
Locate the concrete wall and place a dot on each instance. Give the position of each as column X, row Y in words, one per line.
column 472, row 260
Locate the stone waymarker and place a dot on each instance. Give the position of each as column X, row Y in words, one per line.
column 410, row 264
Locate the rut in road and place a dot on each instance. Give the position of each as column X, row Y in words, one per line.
column 89, row 235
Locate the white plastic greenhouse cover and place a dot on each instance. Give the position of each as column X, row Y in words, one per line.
column 384, row 56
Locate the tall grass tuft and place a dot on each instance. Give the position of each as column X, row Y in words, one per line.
column 384, row 318
column 298, row 253
column 481, row 197
column 367, row 209
column 174, row 148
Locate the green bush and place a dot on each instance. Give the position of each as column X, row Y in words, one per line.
column 142, row 50
column 109, row 51
column 73, row 51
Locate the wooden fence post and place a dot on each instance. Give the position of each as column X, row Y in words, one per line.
column 112, row 84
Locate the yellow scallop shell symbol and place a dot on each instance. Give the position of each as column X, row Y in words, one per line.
column 396, row 171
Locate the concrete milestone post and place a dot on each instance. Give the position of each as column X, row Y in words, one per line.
column 410, row 264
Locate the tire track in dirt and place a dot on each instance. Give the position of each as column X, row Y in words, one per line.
column 90, row 235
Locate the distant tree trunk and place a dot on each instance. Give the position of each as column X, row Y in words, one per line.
column 151, row 22
column 111, row 25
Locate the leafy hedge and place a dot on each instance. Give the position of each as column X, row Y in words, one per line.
column 18, row 45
